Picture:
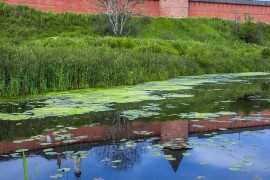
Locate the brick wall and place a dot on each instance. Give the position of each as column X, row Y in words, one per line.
column 167, row 8
column 174, row 8
column 228, row 11
column 148, row 7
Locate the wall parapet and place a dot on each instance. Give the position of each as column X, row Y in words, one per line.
column 240, row 2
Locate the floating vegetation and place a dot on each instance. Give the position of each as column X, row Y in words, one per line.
column 116, row 161
column 64, row 169
column 186, row 154
column 200, row 177
column 170, row 106
column 157, row 154
column 68, row 152
column 134, row 114
column 224, row 113
column 223, row 129
column 197, row 126
column 171, row 95
column 142, row 132
column 71, row 128
column 96, row 100
column 98, row 178
column 56, row 176
column 249, row 156
column 130, row 144
column 151, row 107
column 196, row 115
column 47, row 150
column 15, row 155
column 21, row 150
column 69, row 141
column 169, row 157
column 17, row 141
column 45, row 144
column 246, row 163
column 203, row 163
column 81, row 152
column 234, row 168
column 51, row 153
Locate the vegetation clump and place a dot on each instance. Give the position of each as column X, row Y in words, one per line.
column 249, row 31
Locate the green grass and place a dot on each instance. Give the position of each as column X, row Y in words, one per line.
column 43, row 52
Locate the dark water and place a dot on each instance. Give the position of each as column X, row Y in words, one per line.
column 222, row 132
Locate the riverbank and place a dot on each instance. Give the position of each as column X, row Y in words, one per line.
column 47, row 52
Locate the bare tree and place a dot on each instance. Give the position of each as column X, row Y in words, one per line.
column 237, row 21
column 118, row 12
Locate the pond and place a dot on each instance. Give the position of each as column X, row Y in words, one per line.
column 198, row 127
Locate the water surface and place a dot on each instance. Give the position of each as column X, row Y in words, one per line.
column 200, row 127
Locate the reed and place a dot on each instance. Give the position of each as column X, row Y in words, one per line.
column 25, row 168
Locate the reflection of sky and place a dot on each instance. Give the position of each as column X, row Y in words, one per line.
column 152, row 167
column 222, row 160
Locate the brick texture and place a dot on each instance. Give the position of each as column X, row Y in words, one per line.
column 228, row 11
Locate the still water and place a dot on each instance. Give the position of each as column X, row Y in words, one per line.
column 200, row 127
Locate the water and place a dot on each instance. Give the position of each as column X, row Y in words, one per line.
column 205, row 127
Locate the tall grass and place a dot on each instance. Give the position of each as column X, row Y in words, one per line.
column 25, row 168
column 43, row 52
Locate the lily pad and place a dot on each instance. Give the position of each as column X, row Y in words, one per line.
column 15, row 155
column 234, row 168
column 56, row 176
column 45, row 144
column 116, row 161
column 200, row 177
column 223, row 129
column 156, row 154
column 21, row 150
column 68, row 152
column 82, row 152
column 64, row 169
column 47, row 150
column 51, row 153
column 186, row 154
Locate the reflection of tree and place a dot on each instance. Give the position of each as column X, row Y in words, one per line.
column 117, row 149
column 121, row 127
column 246, row 103
column 128, row 156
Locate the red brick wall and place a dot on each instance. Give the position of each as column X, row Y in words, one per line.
column 167, row 8
column 228, row 11
column 148, row 7
column 81, row 6
column 174, row 8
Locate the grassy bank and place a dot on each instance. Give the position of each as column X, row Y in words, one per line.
column 44, row 52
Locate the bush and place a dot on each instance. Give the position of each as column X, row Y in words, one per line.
column 266, row 53
column 249, row 31
column 101, row 24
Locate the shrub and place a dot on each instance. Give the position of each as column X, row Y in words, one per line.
column 249, row 31
column 101, row 24
column 266, row 53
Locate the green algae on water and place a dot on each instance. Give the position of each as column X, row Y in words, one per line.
column 97, row 100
